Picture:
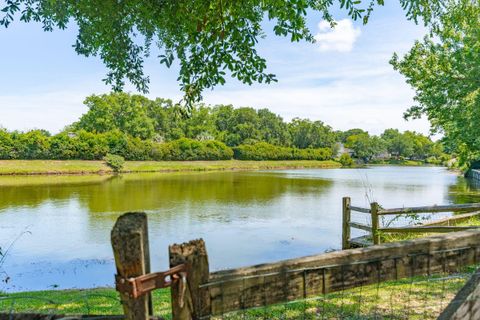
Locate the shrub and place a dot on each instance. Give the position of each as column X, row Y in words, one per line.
column 266, row 151
column 137, row 149
column 117, row 142
column 6, row 145
column 188, row 149
column 62, row 147
column 90, row 146
column 114, row 161
column 85, row 145
column 34, row 144
column 346, row 160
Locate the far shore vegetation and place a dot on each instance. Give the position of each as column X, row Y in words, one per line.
column 155, row 135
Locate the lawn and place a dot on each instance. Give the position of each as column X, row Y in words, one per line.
column 414, row 298
column 13, row 167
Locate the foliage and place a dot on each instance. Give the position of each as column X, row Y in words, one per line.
column 444, row 70
column 311, row 134
column 125, row 112
column 95, row 146
column 242, row 126
column 114, row 161
column 138, row 128
column 410, row 145
column 366, row 147
column 342, row 136
column 31, row 145
column 398, row 144
column 209, row 39
column 160, row 120
column 265, row 151
column 6, row 144
column 188, row 149
column 346, row 160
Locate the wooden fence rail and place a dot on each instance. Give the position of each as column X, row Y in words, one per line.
column 301, row 278
column 202, row 294
column 376, row 211
column 432, row 209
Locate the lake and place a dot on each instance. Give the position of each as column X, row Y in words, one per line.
column 59, row 226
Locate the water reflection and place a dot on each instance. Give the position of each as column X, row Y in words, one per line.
column 151, row 191
column 245, row 217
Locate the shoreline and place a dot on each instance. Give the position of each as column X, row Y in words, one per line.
column 98, row 167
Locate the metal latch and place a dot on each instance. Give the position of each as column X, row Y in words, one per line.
column 141, row 285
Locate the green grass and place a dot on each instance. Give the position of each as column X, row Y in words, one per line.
column 419, row 297
column 393, row 237
column 415, row 298
column 51, row 167
column 100, row 301
column 16, row 167
column 407, row 163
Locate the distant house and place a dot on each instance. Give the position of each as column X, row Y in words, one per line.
column 342, row 149
column 383, row 156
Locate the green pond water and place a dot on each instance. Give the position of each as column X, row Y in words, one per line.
column 60, row 225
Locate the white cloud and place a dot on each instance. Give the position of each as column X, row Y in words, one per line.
column 340, row 38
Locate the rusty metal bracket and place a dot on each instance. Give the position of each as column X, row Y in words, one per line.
column 141, row 285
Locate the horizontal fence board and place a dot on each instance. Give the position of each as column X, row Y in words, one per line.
column 360, row 226
column 358, row 209
column 426, row 229
column 362, row 241
column 427, row 209
column 300, row 278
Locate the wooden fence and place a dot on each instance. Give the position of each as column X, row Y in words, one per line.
column 198, row 293
column 376, row 229
column 466, row 304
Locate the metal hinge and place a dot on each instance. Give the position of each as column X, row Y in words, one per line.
column 138, row 286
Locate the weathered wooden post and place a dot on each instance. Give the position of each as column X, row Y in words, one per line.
column 190, row 300
column 346, row 223
column 130, row 248
column 375, row 222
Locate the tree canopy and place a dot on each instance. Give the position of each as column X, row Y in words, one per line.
column 159, row 120
column 210, row 39
column 139, row 128
column 444, row 70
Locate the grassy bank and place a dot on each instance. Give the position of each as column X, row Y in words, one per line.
column 24, row 167
column 419, row 297
column 407, row 163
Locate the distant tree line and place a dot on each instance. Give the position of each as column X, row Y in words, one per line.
column 392, row 145
column 138, row 128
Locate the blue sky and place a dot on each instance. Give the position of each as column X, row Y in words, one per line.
column 344, row 79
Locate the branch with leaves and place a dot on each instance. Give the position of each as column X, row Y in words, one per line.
column 210, row 39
